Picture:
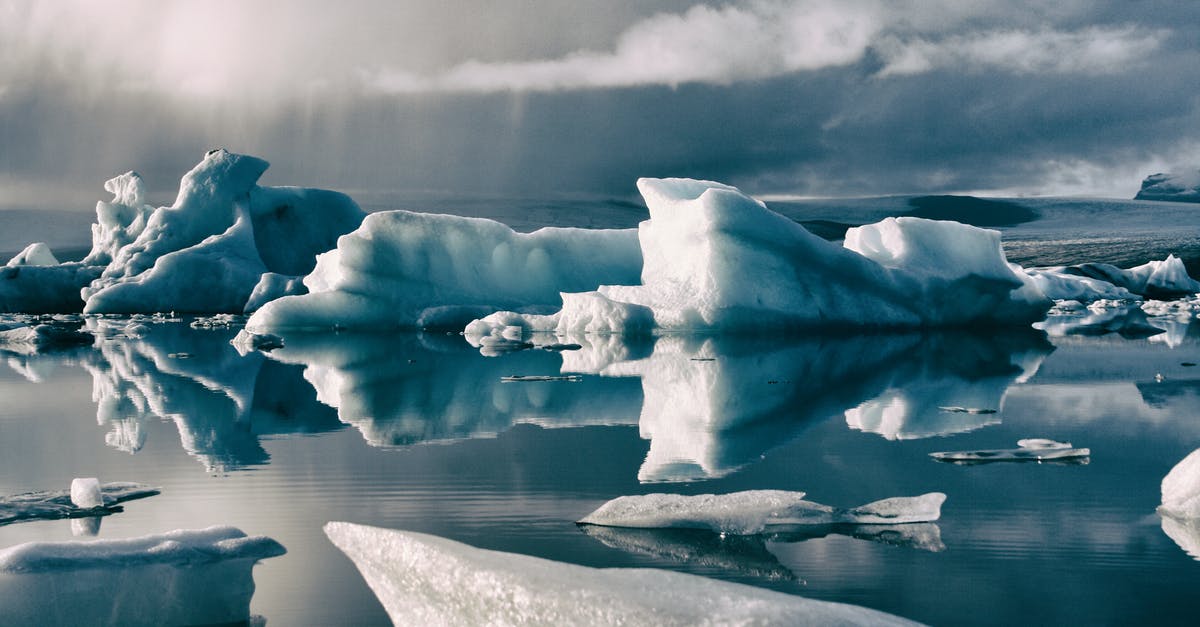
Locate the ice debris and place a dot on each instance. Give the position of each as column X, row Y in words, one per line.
column 87, row 497
column 1030, row 449
column 756, row 511
column 426, row 580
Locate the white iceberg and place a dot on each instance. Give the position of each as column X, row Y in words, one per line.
column 718, row 260
column 1029, row 449
column 1154, row 279
column 85, row 492
column 757, row 511
column 21, row 338
column 35, row 254
column 1059, row 284
column 206, row 253
column 415, row 270
column 427, row 580
column 181, row 577
column 1181, row 489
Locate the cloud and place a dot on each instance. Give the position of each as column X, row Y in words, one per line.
column 1093, row 50
column 714, row 45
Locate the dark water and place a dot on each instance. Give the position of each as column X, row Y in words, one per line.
column 418, row 432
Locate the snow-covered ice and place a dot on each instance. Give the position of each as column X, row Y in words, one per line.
column 413, row 270
column 85, row 492
column 1029, row 449
column 183, row 577
column 757, row 511
column 427, row 580
column 35, row 254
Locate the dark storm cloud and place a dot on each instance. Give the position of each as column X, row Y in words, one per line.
column 805, row 96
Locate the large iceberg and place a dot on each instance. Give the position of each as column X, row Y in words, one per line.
column 427, row 580
column 718, row 260
column 413, row 270
column 204, row 254
column 183, row 577
column 757, row 511
column 1175, row 187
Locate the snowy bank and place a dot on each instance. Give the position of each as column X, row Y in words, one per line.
column 427, row 580
column 718, row 260
column 757, row 511
column 413, row 270
column 181, row 577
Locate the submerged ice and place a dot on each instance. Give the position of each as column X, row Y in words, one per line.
column 427, row 580
column 757, row 511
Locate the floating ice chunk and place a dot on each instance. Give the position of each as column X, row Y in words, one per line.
column 63, row 503
column 1155, row 279
column 35, row 254
column 427, row 580
column 1057, row 284
column 718, row 260
column 1103, row 317
column 1031, row 449
column 85, row 493
column 756, row 511
column 42, row 337
column 1181, row 488
column 182, row 577
column 404, row 269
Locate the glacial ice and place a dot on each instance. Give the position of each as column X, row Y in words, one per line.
column 36, row 254
column 427, row 580
column 23, row 338
column 412, row 270
column 204, row 254
column 1154, row 279
column 1181, row 489
column 1029, row 449
column 718, row 260
column 756, row 511
column 54, row 504
column 183, row 577
column 1178, row 187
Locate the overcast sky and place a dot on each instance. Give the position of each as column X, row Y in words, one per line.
column 808, row 97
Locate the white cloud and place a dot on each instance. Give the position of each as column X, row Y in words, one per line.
column 1094, row 50
column 718, row 45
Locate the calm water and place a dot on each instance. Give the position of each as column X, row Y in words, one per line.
column 418, row 432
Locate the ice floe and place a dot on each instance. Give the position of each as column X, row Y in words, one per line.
column 183, row 577
column 1029, row 449
column 427, row 580
column 86, row 497
column 756, row 511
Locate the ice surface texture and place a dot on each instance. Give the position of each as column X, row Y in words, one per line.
column 65, row 504
column 1181, row 488
column 756, row 511
column 718, row 260
column 427, row 580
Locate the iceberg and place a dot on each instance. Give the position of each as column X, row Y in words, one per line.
column 1154, row 279
column 412, row 270
column 1029, row 449
column 756, row 511
column 1181, row 489
column 427, row 580
column 183, row 577
column 204, row 254
column 1173, row 187
column 85, row 498
column 716, row 260
column 22, row 338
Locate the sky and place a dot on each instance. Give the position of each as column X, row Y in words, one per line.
column 537, row 97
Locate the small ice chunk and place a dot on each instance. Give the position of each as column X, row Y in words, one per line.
column 85, row 493
column 756, row 511
column 35, row 254
column 1181, row 488
column 1031, row 449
